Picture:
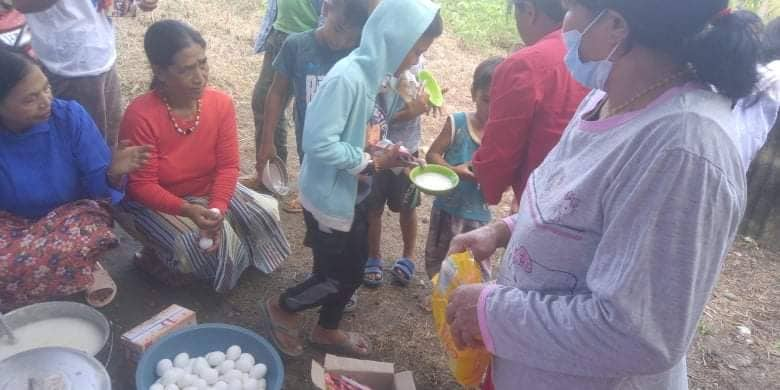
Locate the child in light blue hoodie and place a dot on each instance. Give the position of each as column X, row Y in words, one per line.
column 334, row 163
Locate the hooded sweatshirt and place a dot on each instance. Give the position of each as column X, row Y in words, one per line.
column 334, row 135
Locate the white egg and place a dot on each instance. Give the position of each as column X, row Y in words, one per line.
column 156, row 386
column 186, row 380
column 201, row 384
column 181, row 360
column 190, row 388
column 261, row 384
column 248, row 357
column 226, row 366
column 210, row 376
column 258, row 371
column 245, row 377
column 235, row 384
column 215, row 358
column 220, row 385
column 171, row 387
column 171, row 376
column 233, row 353
column 233, row 374
column 250, row 384
column 200, row 366
column 243, row 365
column 163, row 366
column 205, row 243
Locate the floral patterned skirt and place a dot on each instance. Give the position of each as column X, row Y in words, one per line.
column 53, row 256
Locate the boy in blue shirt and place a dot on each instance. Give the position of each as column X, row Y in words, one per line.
column 302, row 63
column 334, row 163
column 282, row 18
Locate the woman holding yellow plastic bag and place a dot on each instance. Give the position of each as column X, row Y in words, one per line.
column 468, row 364
column 623, row 229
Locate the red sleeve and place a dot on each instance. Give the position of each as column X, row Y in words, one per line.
column 226, row 175
column 143, row 185
column 498, row 160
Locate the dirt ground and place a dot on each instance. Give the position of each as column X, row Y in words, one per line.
column 721, row 358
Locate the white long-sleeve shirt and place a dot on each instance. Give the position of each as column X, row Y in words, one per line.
column 756, row 114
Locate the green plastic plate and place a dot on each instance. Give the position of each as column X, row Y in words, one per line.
column 435, row 96
column 433, row 168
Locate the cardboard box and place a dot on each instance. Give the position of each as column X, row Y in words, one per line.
column 137, row 340
column 376, row 375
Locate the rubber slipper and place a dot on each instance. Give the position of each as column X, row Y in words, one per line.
column 292, row 206
column 102, row 290
column 273, row 329
column 347, row 348
column 249, row 182
column 373, row 267
column 403, row 271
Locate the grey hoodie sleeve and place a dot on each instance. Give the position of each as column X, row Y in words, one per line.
column 666, row 231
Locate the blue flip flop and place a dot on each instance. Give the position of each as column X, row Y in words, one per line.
column 403, row 271
column 373, row 267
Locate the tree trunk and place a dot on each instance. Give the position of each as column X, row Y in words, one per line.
column 762, row 217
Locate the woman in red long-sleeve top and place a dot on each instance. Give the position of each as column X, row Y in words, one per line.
column 185, row 205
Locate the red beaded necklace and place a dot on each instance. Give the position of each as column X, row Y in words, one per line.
column 179, row 129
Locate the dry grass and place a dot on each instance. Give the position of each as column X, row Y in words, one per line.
column 745, row 296
column 229, row 28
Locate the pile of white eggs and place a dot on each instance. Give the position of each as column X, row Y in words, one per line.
column 229, row 370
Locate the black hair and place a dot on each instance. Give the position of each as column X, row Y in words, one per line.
column 552, row 8
column 771, row 41
column 483, row 74
column 15, row 68
column 355, row 12
column 722, row 47
column 436, row 28
column 165, row 39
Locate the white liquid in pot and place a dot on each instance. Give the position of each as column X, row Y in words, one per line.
column 433, row 181
column 66, row 332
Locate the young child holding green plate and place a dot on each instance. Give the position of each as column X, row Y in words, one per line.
column 463, row 209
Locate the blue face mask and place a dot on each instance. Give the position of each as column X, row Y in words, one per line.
column 592, row 74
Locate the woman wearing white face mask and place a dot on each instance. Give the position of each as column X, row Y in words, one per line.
column 623, row 228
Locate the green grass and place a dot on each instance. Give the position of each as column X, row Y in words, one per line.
column 481, row 23
column 767, row 9
column 486, row 24
column 704, row 329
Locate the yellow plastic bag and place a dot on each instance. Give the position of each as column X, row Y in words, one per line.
column 467, row 365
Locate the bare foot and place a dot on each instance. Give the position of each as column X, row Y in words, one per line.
column 373, row 276
column 340, row 342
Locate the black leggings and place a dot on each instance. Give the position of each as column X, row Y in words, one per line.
column 339, row 260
